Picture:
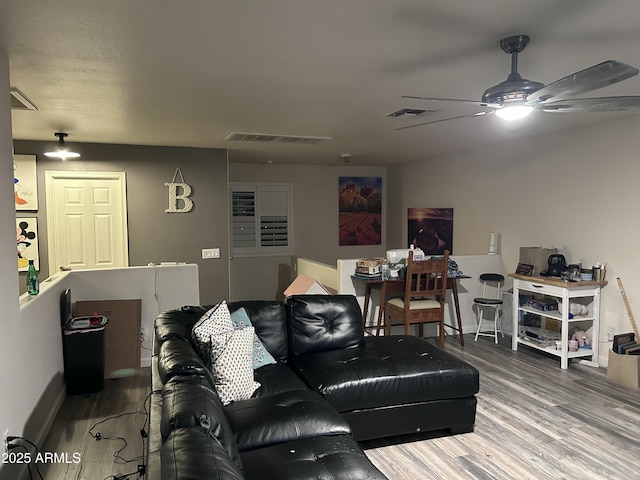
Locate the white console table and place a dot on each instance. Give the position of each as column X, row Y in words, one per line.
column 563, row 291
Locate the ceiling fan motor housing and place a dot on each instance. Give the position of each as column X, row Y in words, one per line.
column 513, row 89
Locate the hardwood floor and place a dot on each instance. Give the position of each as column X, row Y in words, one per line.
column 117, row 414
column 534, row 421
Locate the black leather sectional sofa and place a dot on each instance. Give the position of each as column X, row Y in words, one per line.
column 331, row 386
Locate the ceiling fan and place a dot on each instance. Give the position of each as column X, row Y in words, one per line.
column 516, row 97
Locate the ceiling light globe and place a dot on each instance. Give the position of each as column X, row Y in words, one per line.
column 514, row 112
column 61, row 151
column 61, row 154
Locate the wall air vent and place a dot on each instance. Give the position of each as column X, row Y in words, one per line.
column 19, row 101
column 273, row 138
column 410, row 112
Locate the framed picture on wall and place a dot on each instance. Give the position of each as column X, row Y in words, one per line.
column 431, row 229
column 27, row 242
column 360, row 209
column 25, row 182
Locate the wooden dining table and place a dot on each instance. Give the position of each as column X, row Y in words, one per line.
column 392, row 285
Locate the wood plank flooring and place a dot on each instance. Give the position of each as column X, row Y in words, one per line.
column 117, row 414
column 534, row 421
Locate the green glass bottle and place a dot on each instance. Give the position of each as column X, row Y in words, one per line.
column 33, row 283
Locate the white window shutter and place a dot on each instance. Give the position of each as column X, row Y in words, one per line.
column 261, row 219
column 243, row 205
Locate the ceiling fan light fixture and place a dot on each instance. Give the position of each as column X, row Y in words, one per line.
column 514, row 112
column 61, row 151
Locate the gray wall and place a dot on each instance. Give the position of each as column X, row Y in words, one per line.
column 18, row 392
column 576, row 190
column 315, row 219
column 156, row 236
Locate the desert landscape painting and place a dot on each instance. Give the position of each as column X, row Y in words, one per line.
column 360, row 207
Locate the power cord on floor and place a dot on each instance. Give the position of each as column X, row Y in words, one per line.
column 121, row 476
column 142, row 467
column 143, row 433
column 98, row 436
column 12, row 445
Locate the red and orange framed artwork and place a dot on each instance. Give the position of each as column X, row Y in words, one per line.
column 360, row 208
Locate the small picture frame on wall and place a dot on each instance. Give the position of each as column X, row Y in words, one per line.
column 27, row 242
column 25, row 182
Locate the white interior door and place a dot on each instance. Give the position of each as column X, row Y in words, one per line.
column 86, row 220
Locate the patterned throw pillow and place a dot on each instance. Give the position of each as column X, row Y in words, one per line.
column 215, row 321
column 261, row 355
column 231, row 364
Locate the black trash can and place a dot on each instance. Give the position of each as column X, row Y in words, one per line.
column 83, row 346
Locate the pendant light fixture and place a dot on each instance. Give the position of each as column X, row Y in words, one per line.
column 61, row 150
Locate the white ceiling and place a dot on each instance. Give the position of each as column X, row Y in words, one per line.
column 164, row 72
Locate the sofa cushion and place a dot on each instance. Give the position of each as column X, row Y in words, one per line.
column 177, row 323
column 231, row 364
column 261, row 355
column 277, row 378
column 178, row 357
column 191, row 454
column 336, row 457
column 319, row 323
column 188, row 401
column 269, row 320
column 215, row 321
column 283, row 417
column 386, row 371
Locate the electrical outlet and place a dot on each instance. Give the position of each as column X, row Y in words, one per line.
column 610, row 334
column 210, row 253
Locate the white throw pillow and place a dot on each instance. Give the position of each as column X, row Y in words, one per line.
column 231, row 364
column 215, row 321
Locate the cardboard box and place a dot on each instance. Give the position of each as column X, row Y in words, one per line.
column 305, row 285
column 623, row 369
column 552, row 324
column 536, row 256
column 122, row 340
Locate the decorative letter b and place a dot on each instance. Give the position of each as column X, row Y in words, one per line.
column 174, row 197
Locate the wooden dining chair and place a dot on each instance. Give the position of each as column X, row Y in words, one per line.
column 424, row 297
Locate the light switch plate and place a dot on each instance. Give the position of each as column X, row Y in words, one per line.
column 210, row 253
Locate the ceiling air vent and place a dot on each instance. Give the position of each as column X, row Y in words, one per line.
column 273, row 138
column 19, row 101
column 410, row 112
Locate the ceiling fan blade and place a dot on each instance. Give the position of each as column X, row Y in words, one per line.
column 436, row 99
column 592, row 78
column 477, row 114
column 602, row 104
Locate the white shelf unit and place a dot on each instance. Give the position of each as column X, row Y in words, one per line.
column 563, row 291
